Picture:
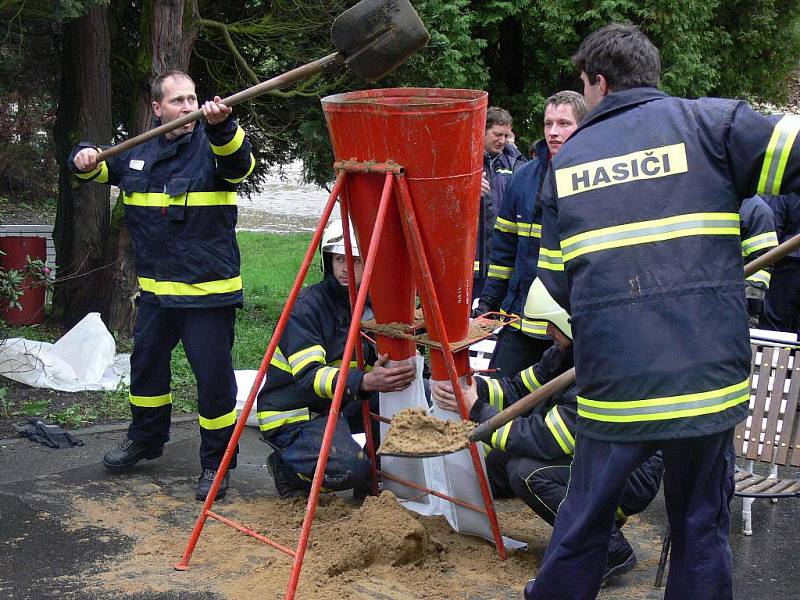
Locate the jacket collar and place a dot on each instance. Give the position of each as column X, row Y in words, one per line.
column 541, row 150
column 618, row 101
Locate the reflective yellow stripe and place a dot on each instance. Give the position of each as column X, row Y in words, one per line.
column 323, row 382
column 272, row 419
column 299, row 360
column 777, row 154
column 243, row 177
column 476, row 266
column 552, row 260
column 204, row 288
column 232, row 146
column 150, row 401
column 158, row 200
column 529, row 229
column 101, row 171
column 500, row 272
column 645, row 232
column 759, row 242
column 279, row 361
column 529, row 379
column 218, row 422
column 560, row 430
column 505, row 225
column 495, row 392
column 670, row 407
column 761, row 277
column 500, row 437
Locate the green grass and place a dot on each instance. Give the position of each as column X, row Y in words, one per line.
column 269, row 266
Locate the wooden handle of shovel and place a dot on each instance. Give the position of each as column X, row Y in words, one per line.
column 484, row 431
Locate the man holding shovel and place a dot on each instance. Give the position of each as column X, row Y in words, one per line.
column 641, row 229
column 180, row 208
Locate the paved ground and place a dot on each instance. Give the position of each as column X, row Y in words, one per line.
column 43, row 555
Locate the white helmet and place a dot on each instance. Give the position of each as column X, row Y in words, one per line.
column 333, row 239
column 540, row 306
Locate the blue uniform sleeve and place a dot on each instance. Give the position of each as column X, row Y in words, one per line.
column 758, row 236
column 108, row 171
column 551, row 263
column 231, row 148
column 504, row 246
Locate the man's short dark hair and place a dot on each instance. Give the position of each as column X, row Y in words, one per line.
column 622, row 54
column 497, row 116
column 157, row 88
column 569, row 98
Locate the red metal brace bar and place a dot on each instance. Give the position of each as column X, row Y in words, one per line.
column 414, row 239
column 183, row 565
column 333, row 414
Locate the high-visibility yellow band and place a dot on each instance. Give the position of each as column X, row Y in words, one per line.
column 299, row 360
column 272, row 419
column 220, row 422
column 777, row 155
column 671, row 407
column 500, row 437
column 495, row 392
column 243, row 177
column 533, row 230
column 177, row 288
column 500, row 272
column 476, row 266
column 279, row 361
column 761, row 277
column 100, row 174
column 529, row 379
column 505, row 225
column 150, row 401
column 646, row 232
column 759, row 242
column 552, row 260
column 560, row 431
column 232, row 146
column 158, row 200
column 323, row 382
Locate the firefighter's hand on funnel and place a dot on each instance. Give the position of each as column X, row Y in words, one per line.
column 388, row 379
column 445, row 397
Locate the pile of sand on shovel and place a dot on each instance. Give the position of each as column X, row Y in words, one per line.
column 413, row 431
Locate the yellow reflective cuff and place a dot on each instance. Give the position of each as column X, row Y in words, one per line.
column 670, row 407
column 232, row 146
column 505, row 225
column 761, row 277
column 529, row 379
column 533, row 230
column 272, row 419
column 500, row 437
column 220, row 422
column 279, row 361
column 323, row 382
column 100, row 174
column 299, row 360
column 495, row 392
column 476, row 266
column 560, row 431
column 176, row 288
column 646, row 232
column 759, row 242
column 551, row 260
column 777, row 155
column 500, row 272
column 150, row 401
column 243, row 177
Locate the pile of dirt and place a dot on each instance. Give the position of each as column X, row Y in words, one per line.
column 378, row 550
column 415, row 432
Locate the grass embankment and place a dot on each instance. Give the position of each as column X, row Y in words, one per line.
column 269, row 266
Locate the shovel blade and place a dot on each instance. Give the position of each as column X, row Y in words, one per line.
column 377, row 36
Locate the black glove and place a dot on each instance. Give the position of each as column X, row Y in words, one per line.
column 46, row 433
column 484, row 305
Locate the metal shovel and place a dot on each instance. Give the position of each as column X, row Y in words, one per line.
column 527, row 403
column 372, row 38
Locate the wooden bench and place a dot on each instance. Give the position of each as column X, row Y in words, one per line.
column 769, row 438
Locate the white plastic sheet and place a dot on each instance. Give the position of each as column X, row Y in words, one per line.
column 83, row 359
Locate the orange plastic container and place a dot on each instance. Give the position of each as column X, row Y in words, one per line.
column 437, row 136
column 17, row 250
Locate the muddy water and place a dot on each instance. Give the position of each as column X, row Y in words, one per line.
column 284, row 205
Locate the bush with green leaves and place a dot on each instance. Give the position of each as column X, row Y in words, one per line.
column 13, row 282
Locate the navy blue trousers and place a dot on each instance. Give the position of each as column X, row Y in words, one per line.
column 207, row 335
column 698, row 487
column 782, row 301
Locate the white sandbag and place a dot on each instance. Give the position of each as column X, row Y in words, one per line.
column 244, row 383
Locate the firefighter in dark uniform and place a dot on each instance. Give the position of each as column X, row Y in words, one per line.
column 294, row 403
column 515, row 242
column 782, row 301
column 531, row 454
column 758, row 237
column 179, row 191
column 641, row 245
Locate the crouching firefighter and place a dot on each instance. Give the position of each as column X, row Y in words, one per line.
column 530, row 456
column 294, row 403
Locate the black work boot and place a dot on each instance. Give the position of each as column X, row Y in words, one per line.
column 281, row 479
column 206, row 479
column 621, row 557
column 127, row 453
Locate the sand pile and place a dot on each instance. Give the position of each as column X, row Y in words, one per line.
column 415, row 432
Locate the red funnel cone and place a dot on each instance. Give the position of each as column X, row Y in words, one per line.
column 437, row 136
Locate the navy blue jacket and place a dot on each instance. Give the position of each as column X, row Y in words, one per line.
column 758, row 236
column 498, row 170
column 786, row 209
column 180, row 209
column 304, row 371
column 640, row 243
column 515, row 243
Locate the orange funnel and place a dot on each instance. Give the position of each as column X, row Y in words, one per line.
column 437, row 136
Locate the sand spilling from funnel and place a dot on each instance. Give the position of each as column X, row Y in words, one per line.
column 413, row 431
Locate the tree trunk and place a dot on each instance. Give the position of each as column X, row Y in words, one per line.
column 168, row 37
column 82, row 217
